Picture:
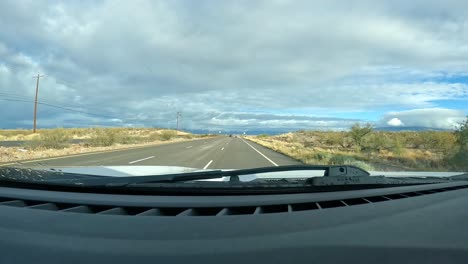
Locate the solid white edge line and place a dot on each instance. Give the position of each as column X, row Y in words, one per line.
column 135, row 161
column 272, row 162
column 208, row 164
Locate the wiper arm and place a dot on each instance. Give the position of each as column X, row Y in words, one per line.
column 330, row 171
column 334, row 177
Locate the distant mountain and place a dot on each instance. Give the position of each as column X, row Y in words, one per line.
column 240, row 132
column 403, row 128
column 277, row 131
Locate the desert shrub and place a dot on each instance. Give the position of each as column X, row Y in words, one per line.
column 398, row 147
column 103, row 137
column 438, row 140
column 156, row 136
column 50, row 139
column 358, row 132
column 188, row 136
column 334, row 138
column 348, row 160
column 375, row 141
column 409, row 139
column 80, row 132
column 459, row 160
column 168, row 135
column 322, row 156
column 15, row 132
column 129, row 139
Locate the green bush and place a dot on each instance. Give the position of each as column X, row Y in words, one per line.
column 357, row 133
column 103, row 137
column 375, row 141
column 168, row 135
column 50, row 139
column 459, row 160
column 334, row 138
column 398, row 147
column 154, row 137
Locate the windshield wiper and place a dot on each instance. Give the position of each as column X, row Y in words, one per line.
column 333, row 175
column 335, row 178
column 336, row 175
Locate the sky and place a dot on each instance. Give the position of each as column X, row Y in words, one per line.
column 273, row 65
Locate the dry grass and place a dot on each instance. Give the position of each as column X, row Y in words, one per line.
column 16, row 134
column 426, row 150
column 20, row 154
column 313, row 155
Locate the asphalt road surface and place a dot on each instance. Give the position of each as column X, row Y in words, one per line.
column 213, row 153
column 20, row 143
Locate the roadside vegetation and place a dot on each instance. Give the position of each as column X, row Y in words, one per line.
column 112, row 136
column 49, row 139
column 60, row 138
column 16, row 134
column 66, row 141
column 376, row 150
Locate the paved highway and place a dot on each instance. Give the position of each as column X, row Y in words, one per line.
column 212, row 153
column 20, row 143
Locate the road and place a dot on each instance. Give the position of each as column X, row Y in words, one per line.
column 213, row 153
column 20, row 143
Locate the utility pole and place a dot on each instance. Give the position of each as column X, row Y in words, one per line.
column 35, row 100
column 177, row 126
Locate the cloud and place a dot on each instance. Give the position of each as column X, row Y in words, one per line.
column 427, row 117
column 395, row 122
column 211, row 59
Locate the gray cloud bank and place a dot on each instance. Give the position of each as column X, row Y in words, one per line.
column 137, row 63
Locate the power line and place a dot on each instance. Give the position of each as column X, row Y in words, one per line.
column 51, row 101
column 56, row 106
column 45, row 101
column 68, row 109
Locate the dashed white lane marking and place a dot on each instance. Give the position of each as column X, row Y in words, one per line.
column 222, row 148
column 189, row 146
column 272, row 162
column 208, row 164
column 135, row 161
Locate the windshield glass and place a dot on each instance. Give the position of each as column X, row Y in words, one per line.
column 183, row 86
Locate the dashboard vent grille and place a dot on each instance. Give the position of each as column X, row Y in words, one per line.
column 213, row 211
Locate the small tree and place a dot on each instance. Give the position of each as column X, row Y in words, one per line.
column 358, row 133
column 460, row 159
column 376, row 142
column 398, row 148
column 462, row 134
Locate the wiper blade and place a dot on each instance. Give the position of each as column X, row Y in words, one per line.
column 335, row 178
column 329, row 171
column 334, row 175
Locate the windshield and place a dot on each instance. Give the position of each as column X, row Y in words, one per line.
column 171, row 87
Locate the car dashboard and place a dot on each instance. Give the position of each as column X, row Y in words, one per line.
column 410, row 224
